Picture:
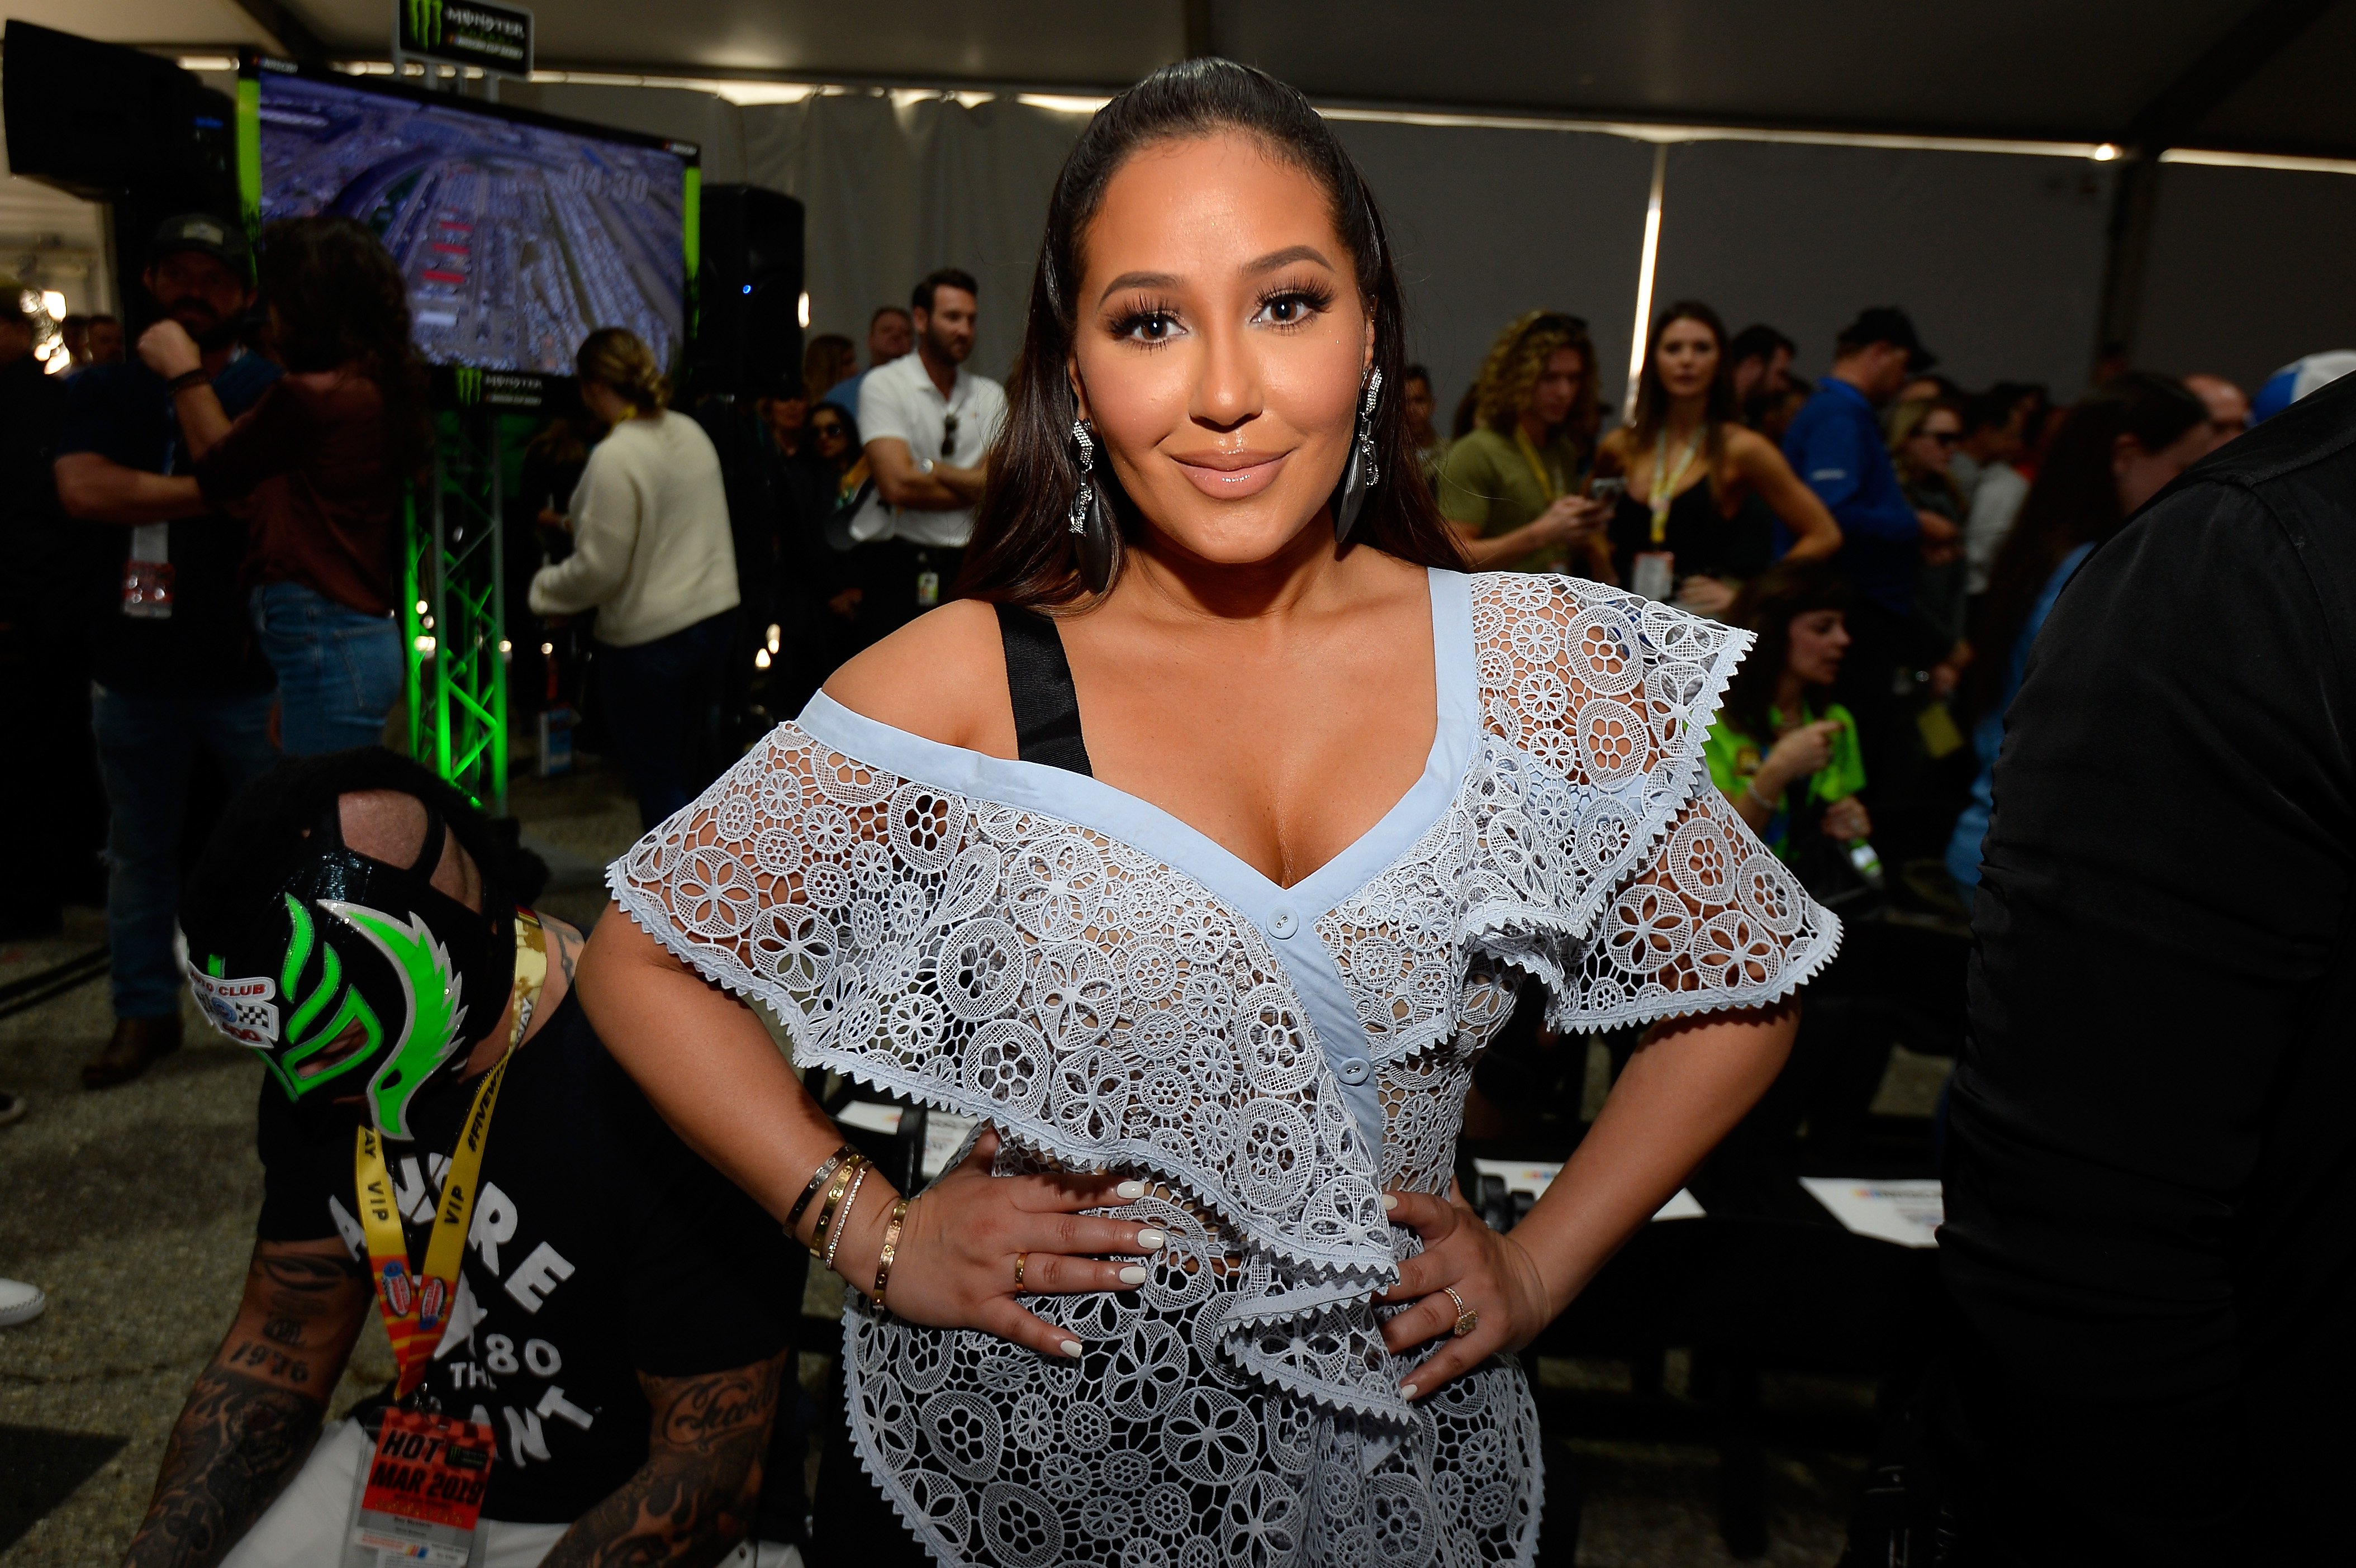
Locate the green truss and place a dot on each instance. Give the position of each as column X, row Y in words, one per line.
column 454, row 612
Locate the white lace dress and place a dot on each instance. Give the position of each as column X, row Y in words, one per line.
column 1113, row 989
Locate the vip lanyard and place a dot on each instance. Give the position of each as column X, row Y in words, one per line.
column 1663, row 488
column 416, row 1311
column 1546, row 486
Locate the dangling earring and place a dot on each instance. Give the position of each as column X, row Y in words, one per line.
column 1090, row 516
column 1361, row 474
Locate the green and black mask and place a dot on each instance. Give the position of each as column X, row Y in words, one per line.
column 352, row 977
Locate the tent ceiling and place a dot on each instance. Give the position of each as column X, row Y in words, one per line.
column 2071, row 69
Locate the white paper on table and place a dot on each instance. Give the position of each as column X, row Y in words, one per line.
column 884, row 1119
column 1907, row 1212
column 944, row 1135
column 1534, row 1176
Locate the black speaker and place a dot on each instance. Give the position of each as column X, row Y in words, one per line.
column 749, row 329
column 113, row 124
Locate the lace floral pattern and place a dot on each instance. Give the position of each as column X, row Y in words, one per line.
column 1105, row 1010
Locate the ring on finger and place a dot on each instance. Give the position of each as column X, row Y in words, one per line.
column 1020, row 1260
column 1467, row 1320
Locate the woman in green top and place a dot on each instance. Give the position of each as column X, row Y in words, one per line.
column 1510, row 485
column 1783, row 752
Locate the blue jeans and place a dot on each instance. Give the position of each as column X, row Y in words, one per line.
column 340, row 671
column 146, row 747
column 662, row 712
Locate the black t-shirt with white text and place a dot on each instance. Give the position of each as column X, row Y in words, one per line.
column 601, row 1247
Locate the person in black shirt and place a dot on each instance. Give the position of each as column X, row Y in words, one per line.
column 620, row 1315
column 2151, row 1163
column 174, row 662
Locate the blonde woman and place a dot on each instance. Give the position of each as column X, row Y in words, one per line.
column 652, row 555
column 1510, row 488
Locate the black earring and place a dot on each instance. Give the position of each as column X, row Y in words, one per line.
column 1091, row 517
column 1360, row 474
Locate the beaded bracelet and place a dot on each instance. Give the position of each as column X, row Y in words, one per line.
column 842, row 1220
column 891, row 1248
column 851, row 1167
column 817, row 1181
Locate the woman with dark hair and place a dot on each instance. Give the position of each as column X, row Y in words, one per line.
column 345, row 427
column 1196, row 852
column 1922, row 440
column 2118, row 449
column 1509, row 485
column 1703, row 490
column 1783, row 751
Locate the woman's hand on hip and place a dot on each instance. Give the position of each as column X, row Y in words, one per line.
column 960, row 1241
column 1496, row 1278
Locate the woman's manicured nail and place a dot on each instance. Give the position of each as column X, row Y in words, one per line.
column 1390, row 1201
column 1131, row 1190
column 1407, row 1390
column 1150, row 1240
column 1132, row 1275
column 1073, row 1348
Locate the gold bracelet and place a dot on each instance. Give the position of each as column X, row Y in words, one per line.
column 891, row 1248
column 842, row 1220
column 851, row 1167
column 817, row 1180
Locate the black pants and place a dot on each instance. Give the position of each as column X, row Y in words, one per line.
column 851, row 1523
column 903, row 581
column 662, row 712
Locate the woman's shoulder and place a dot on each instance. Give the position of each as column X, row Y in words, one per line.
column 942, row 676
column 1548, row 644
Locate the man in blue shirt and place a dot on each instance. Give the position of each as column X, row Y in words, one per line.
column 891, row 333
column 174, row 662
column 1835, row 445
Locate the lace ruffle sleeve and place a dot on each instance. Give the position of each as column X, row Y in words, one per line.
column 1601, row 858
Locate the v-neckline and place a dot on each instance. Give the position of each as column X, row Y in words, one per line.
column 1132, row 820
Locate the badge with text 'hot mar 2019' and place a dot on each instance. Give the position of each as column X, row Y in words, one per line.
column 421, row 1492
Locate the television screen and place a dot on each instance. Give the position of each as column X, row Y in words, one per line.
column 516, row 239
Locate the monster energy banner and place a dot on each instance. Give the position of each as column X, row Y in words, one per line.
column 496, row 39
column 468, row 386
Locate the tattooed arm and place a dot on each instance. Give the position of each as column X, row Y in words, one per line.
column 694, row 1497
column 257, row 1403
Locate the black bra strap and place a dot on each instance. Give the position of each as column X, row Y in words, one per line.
column 1039, row 678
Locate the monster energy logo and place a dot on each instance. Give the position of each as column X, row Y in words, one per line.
column 469, row 377
column 468, row 32
column 426, row 23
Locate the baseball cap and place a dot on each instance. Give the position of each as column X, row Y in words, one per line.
column 1887, row 324
column 216, row 237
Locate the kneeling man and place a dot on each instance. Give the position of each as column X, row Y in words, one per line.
column 591, row 1325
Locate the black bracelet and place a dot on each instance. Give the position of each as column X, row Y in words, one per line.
column 185, row 380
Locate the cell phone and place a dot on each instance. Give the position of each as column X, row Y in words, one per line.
column 1610, row 490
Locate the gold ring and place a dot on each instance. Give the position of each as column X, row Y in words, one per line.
column 1020, row 1259
column 1467, row 1320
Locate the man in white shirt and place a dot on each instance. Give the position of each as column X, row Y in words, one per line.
column 927, row 425
column 1993, row 488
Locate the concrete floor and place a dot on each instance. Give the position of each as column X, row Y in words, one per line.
column 133, row 1209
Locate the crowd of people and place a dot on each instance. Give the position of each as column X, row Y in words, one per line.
column 939, row 881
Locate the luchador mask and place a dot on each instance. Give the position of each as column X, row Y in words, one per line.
column 360, row 978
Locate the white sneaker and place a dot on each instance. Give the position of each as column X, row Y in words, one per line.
column 20, row 1302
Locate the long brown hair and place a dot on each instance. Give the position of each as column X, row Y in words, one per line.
column 1767, row 605
column 2073, row 500
column 1023, row 551
column 1653, row 398
column 1510, row 373
column 337, row 301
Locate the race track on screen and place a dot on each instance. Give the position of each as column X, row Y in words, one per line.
column 516, row 240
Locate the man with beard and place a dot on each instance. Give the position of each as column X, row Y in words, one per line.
column 927, row 425
column 174, row 663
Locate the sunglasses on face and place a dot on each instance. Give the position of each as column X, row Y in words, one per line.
column 827, row 429
column 1944, row 437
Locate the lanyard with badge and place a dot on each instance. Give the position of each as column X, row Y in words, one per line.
column 420, row 1489
column 1655, row 569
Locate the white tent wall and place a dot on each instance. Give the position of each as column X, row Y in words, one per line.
column 1490, row 223
column 1997, row 257
column 2248, row 269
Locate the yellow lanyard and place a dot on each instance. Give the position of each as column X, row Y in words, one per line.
column 1664, row 490
column 416, row 1311
column 1547, row 487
